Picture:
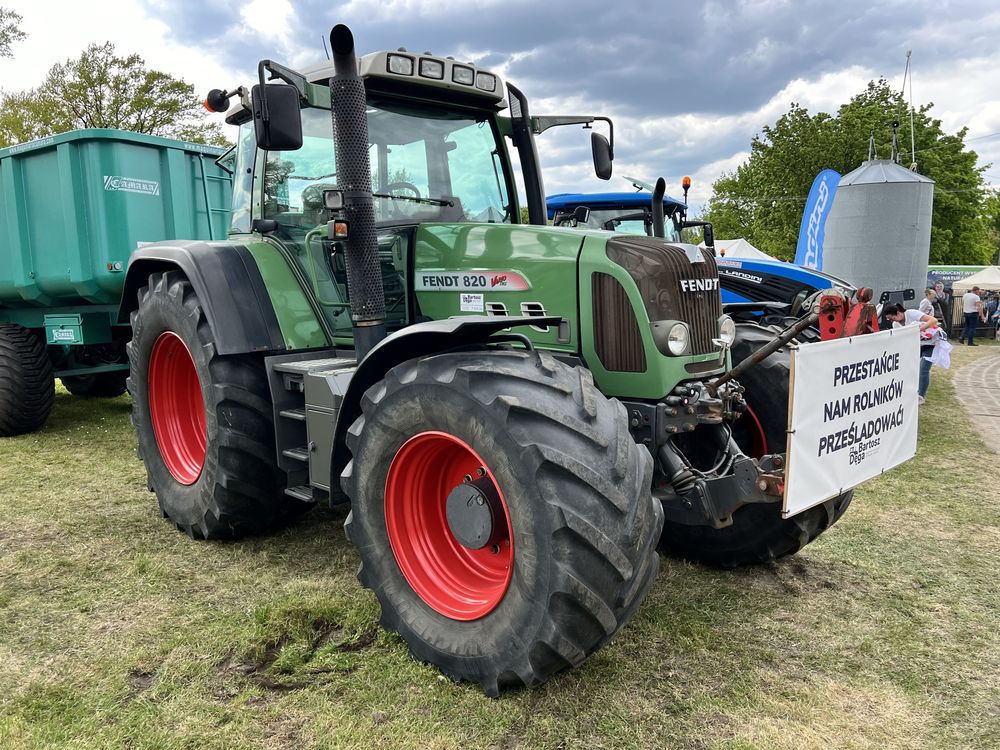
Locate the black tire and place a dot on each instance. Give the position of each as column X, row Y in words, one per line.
column 27, row 388
column 577, row 488
column 240, row 488
column 758, row 533
column 101, row 385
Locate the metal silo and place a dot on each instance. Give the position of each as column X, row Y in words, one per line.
column 878, row 233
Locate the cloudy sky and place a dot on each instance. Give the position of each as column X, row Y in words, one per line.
column 687, row 86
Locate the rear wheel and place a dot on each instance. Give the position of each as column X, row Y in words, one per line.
column 101, row 385
column 27, row 388
column 758, row 533
column 204, row 422
column 502, row 513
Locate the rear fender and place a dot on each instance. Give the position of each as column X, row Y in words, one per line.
column 229, row 286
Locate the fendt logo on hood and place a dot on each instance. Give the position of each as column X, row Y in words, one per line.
column 699, row 285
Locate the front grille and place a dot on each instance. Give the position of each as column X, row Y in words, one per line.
column 658, row 269
column 616, row 331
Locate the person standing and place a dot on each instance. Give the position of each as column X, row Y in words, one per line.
column 942, row 306
column 972, row 306
column 926, row 305
column 900, row 316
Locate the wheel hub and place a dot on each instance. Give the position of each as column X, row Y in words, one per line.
column 449, row 526
column 475, row 514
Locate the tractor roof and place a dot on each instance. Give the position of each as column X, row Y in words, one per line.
column 569, row 201
column 423, row 69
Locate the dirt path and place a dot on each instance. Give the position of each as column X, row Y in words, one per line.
column 977, row 386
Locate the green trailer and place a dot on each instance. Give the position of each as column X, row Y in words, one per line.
column 73, row 207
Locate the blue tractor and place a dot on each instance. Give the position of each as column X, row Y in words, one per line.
column 751, row 288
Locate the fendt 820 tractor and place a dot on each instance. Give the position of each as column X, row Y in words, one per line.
column 511, row 410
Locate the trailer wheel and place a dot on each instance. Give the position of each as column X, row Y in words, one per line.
column 27, row 388
column 502, row 513
column 758, row 533
column 101, row 385
column 204, row 422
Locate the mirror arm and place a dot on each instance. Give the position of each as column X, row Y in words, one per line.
column 541, row 124
column 289, row 76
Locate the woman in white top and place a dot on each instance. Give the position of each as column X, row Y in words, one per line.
column 903, row 317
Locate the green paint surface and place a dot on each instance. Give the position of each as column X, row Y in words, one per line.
column 662, row 372
column 486, row 253
column 299, row 327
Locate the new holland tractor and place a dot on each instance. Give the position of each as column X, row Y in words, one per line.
column 514, row 412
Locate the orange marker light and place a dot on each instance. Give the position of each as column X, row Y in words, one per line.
column 686, row 182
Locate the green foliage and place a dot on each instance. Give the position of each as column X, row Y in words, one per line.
column 99, row 89
column 10, row 31
column 763, row 200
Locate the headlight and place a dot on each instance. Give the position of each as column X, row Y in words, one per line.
column 400, row 65
column 431, row 68
column 461, row 74
column 727, row 329
column 677, row 339
column 486, row 81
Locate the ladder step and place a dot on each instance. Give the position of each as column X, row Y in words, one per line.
column 299, row 415
column 303, row 492
column 298, row 454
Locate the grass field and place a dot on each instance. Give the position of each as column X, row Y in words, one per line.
column 118, row 632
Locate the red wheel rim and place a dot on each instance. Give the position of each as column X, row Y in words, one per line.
column 458, row 582
column 176, row 408
column 757, row 436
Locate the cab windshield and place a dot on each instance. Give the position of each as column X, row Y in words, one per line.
column 629, row 221
column 427, row 165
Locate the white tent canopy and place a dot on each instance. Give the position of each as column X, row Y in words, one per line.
column 987, row 279
column 739, row 248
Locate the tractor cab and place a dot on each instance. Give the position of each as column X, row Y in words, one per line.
column 438, row 136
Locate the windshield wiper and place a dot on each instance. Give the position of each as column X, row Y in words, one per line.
column 431, row 201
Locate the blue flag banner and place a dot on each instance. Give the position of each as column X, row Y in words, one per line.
column 809, row 251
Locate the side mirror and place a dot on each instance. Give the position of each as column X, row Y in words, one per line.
column 581, row 215
column 277, row 120
column 602, row 155
column 709, row 237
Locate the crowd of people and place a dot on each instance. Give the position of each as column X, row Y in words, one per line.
column 932, row 315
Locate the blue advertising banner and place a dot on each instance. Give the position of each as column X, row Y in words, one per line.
column 809, row 251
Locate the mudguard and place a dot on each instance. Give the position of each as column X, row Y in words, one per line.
column 418, row 340
column 229, row 286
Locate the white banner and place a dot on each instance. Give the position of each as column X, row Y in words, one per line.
column 852, row 413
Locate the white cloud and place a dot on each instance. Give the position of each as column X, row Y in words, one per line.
column 61, row 29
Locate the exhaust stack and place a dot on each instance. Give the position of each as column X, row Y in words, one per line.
column 658, row 192
column 350, row 137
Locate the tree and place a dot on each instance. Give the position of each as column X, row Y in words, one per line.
column 10, row 31
column 764, row 198
column 99, row 89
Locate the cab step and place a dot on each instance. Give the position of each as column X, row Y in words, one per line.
column 303, row 493
column 297, row 454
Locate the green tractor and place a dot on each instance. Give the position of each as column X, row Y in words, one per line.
column 511, row 410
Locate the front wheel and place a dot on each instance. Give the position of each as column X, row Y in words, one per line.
column 502, row 513
column 758, row 533
column 204, row 422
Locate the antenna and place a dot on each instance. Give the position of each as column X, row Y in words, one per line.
column 913, row 135
column 908, row 74
column 871, row 146
column 325, row 48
